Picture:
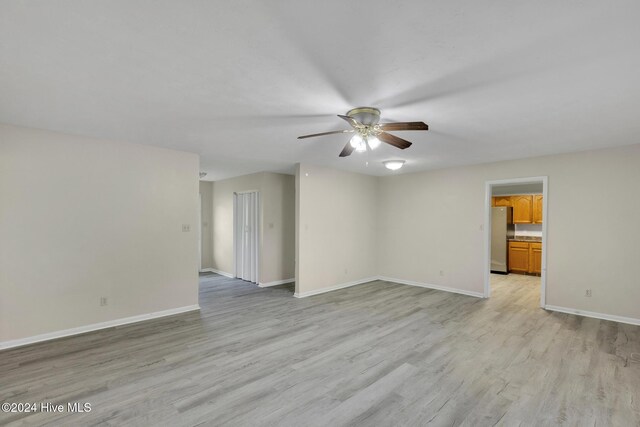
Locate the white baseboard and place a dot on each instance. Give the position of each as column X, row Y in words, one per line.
column 388, row 279
column 222, row 273
column 602, row 316
column 429, row 286
column 334, row 288
column 206, row 270
column 95, row 326
column 276, row 283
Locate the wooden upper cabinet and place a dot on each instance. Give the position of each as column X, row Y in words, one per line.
column 537, row 209
column 527, row 208
column 522, row 209
column 502, row 201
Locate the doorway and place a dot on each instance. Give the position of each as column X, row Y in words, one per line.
column 246, row 232
column 515, row 245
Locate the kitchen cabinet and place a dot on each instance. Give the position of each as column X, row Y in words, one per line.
column 537, row 209
column 502, row 201
column 525, row 257
column 535, row 258
column 527, row 208
column 519, row 257
column 522, row 209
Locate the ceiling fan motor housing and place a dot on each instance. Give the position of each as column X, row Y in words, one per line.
column 368, row 116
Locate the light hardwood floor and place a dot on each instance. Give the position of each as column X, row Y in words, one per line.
column 376, row 354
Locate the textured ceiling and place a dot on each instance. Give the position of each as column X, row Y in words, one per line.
column 237, row 81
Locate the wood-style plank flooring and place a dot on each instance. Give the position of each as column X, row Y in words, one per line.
column 378, row 354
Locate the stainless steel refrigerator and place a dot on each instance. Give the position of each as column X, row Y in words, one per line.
column 502, row 229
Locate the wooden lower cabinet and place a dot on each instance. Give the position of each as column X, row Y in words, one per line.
column 519, row 257
column 535, row 258
column 525, row 257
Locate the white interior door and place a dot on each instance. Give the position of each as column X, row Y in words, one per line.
column 246, row 235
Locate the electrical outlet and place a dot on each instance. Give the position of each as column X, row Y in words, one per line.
column 103, row 301
column 186, row 228
column 587, row 293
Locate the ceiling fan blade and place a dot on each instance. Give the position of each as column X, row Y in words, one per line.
column 326, row 133
column 347, row 150
column 404, row 126
column 394, row 140
column 353, row 122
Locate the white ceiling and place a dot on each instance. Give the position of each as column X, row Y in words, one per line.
column 237, row 81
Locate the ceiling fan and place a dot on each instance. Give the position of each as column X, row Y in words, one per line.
column 368, row 133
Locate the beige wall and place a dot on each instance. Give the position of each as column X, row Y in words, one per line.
column 431, row 222
column 278, row 250
column 336, row 242
column 206, row 233
column 81, row 219
column 277, row 227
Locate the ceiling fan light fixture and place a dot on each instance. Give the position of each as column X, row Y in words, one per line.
column 393, row 165
column 373, row 141
column 356, row 140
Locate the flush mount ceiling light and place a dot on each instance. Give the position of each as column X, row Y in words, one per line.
column 394, row 165
column 368, row 133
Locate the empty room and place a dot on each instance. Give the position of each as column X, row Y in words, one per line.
column 298, row 213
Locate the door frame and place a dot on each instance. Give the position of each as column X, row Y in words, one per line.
column 199, row 232
column 258, row 231
column 487, row 230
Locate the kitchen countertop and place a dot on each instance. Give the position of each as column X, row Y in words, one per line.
column 534, row 239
